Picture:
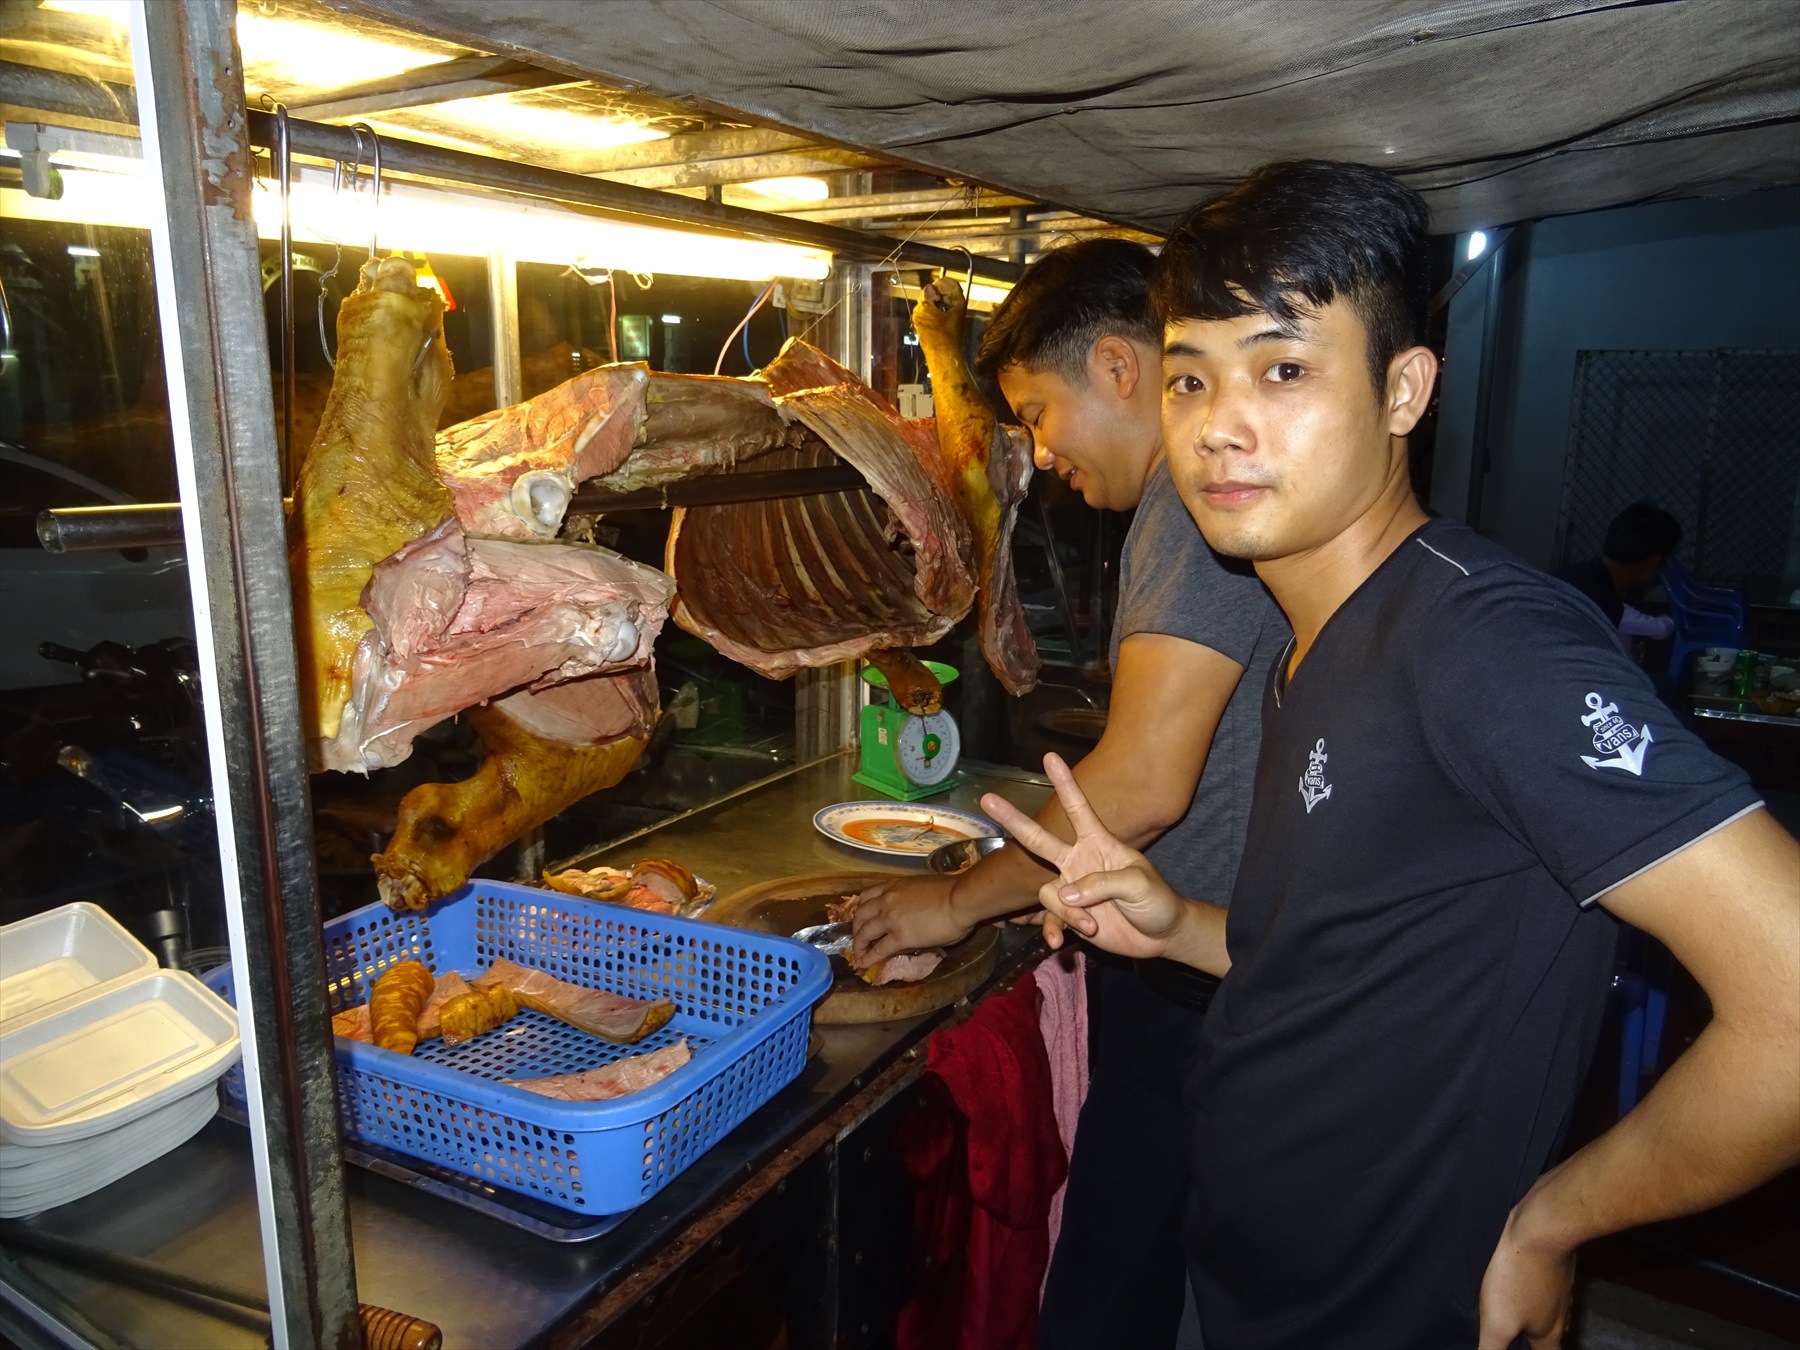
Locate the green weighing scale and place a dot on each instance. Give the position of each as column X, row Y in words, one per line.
column 906, row 756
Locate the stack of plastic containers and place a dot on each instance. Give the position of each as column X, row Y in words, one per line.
column 106, row 1061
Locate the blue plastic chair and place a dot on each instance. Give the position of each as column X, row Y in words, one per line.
column 1701, row 595
column 1705, row 616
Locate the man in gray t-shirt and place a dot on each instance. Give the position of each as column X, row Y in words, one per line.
column 1079, row 360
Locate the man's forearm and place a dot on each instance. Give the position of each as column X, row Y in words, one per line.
column 1721, row 1120
column 1199, row 939
column 1004, row 882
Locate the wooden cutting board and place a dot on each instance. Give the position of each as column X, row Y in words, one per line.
column 789, row 904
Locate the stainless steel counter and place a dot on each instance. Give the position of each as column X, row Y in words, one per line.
column 483, row 1282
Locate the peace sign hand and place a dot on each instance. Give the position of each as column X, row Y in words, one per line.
column 1108, row 891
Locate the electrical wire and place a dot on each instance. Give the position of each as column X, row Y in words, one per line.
column 743, row 325
column 612, row 319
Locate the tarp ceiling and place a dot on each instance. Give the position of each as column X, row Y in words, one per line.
column 1134, row 110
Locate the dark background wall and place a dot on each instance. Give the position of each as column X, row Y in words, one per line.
column 1686, row 275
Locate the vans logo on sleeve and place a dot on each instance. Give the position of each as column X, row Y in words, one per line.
column 1613, row 736
column 1313, row 787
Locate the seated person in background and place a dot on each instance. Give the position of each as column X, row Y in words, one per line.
column 1637, row 544
column 1079, row 359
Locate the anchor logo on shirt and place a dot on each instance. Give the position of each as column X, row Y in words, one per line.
column 1614, row 736
column 1313, row 787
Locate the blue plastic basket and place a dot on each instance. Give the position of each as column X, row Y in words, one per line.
column 742, row 1000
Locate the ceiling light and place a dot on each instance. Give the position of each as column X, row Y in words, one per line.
column 800, row 189
column 983, row 295
column 671, row 318
column 1477, row 245
column 99, row 9
column 82, row 251
column 282, row 52
column 421, row 219
column 498, row 114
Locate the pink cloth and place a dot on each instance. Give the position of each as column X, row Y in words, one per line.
column 1063, row 1022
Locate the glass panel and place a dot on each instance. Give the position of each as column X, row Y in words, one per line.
column 725, row 726
column 106, row 796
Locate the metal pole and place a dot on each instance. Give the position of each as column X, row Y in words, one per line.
column 284, row 175
column 320, row 141
column 503, row 327
column 827, row 699
column 197, row 158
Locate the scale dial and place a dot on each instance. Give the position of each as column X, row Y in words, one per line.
column 927, row 748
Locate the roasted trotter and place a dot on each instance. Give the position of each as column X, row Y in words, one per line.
column 546, row 750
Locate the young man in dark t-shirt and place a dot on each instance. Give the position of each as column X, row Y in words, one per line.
column 1078, row 356
column 1461, row 775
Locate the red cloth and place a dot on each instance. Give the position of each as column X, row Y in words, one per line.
column 985, row 1158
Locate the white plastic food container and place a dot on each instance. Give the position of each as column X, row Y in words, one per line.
column 34, row 1179
column 64, row 955
column 112, row 1058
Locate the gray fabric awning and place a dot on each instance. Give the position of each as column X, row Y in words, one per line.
column 1497, row 110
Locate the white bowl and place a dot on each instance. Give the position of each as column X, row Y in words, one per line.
column 1715, row 660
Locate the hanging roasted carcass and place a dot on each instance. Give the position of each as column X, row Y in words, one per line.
column 430, row 579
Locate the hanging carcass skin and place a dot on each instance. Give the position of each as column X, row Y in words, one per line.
column 404, row 619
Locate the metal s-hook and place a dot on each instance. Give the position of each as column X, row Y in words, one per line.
column 375, row 201
column 969, row 276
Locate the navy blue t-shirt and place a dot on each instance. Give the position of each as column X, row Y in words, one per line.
column 1464, row 762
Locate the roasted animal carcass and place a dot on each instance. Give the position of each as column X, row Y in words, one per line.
column 369, row 484
column 430, row 577
column 404, row 619
column 990, row 469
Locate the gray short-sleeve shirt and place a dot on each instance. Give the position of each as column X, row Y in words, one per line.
column 1171, row 582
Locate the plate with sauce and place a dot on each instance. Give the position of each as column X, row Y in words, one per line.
column 900, row 829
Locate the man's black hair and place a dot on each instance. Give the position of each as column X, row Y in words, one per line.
column 1066, row 302
column 1638, row 532
column 1293, row 237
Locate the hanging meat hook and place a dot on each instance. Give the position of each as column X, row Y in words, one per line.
column 375, row 201
column 337, row 261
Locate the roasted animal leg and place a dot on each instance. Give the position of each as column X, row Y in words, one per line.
column 448, row 829
column 369, row 482
column 990, row 468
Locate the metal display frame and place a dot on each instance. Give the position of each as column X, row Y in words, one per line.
column 198, row 165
